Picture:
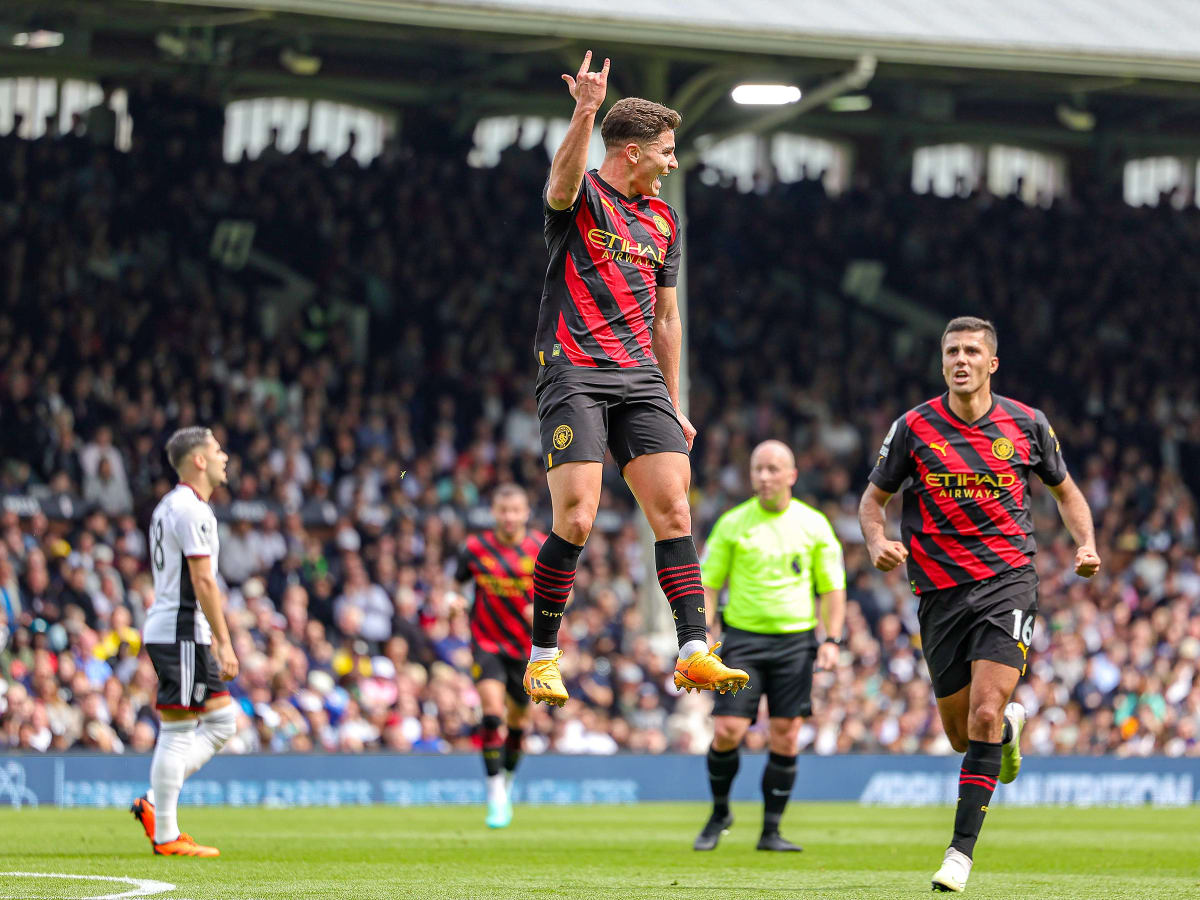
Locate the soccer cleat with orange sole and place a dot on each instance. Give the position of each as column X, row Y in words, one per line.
column 544, row 683
column 143, row 811
column 184, row 845
column 704, row 671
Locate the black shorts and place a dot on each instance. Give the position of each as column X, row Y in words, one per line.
column 508, row 670
column 583, row 410
column 779, row 665
column 188, row 675
column 990, row 619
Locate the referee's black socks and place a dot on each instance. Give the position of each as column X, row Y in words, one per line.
column 553, row 577
column 778, row 778
column 722, row 766
column 679, row 576
column 976, row 783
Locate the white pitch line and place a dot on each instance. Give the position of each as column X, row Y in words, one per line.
column 143, row 887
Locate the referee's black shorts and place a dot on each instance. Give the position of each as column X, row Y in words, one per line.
column 779, row 665
column 991, row 619
column 583, row 410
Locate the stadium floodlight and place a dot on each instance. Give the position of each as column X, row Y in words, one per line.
column 37, row 40
column 298, row 62
column 850, row 103
column 765, row 94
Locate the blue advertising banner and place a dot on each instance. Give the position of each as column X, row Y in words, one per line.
column 412, row 780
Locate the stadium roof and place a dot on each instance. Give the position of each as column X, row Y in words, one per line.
column 1093, row 76
column 1152, row 38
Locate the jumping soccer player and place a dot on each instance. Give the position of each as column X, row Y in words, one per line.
column 964, row 460
column 607, row 344
column 183, row 558
column 778, row 555
column 500, row 564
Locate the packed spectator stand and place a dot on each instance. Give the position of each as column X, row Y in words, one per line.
column 367, row 423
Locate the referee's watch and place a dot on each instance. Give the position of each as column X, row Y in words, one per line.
column 837, row 642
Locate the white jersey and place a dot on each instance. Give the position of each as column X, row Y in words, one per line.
column 183, row 527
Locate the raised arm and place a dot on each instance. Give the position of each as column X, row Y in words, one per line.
column 570, row 162
column 1073, row 507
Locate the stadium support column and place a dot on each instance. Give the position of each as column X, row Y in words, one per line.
column 656, row 612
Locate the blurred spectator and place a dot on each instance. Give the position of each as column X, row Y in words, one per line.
column 366, row 431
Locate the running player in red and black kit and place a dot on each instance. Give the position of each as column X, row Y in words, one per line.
column 607, row 345
column 500, row 564
column 964, row 461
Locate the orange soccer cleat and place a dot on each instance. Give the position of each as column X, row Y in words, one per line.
column 704, row 671
column 543, row 682
column 143, row 811
column 184, row 845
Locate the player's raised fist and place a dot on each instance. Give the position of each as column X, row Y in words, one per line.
column 588, row 88
column 1087, row 562
column 887, row 555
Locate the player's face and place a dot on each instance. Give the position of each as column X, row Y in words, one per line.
column 511, row 513
column 772, row 474
column 967, row 361
column 217, row 459
column 655, row 161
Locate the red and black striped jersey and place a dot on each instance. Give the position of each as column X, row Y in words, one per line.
column 609, row 254
column 503, row 577
column 966, row 488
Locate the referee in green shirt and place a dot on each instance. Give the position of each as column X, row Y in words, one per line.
column 777, row 555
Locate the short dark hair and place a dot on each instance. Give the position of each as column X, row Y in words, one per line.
column 508, row 489
column 184, row 441
column 974, row 323
column 635, row 119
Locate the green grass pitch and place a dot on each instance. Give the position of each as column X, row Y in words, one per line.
column 618, row 852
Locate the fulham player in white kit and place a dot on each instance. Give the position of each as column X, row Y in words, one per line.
column 186, row 638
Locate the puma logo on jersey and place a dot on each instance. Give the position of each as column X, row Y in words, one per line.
column 940, row 448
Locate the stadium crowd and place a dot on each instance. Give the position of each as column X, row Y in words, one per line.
column 373, row 394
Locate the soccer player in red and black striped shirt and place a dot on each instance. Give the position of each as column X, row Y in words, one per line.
column 607, row 346
column 964, row 461
column 500, row 563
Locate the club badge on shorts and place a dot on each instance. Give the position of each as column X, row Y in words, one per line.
column 563, row 437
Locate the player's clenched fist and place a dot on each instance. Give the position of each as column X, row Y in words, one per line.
column 1087, row 562
column 588, row 88
column 887, row 555
column 227, row 660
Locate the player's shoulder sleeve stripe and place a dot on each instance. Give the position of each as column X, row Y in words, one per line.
column 1019, row 410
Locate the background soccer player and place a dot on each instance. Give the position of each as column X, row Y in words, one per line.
column 500, row 564
column 183, row 559
column 965, row 459
column 607, row 345
column 776, row 553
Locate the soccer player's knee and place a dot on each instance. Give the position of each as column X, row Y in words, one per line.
column 491, row 730
column 988, row 716
column 221, row 723
column 576, row 525
column 674, row 519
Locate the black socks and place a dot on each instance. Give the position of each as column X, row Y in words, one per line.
column 553, row 576
column 778, row 778
column 976, row 783
column 679, row 575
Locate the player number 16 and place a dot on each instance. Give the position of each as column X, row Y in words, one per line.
column 1024, row 635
